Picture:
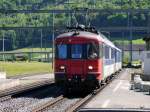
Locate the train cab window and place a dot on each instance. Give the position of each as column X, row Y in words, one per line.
column 76, row 51
column 61, row 51
column 92, row 51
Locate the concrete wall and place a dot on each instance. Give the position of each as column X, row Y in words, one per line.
column 136, row 55
column 146, row 62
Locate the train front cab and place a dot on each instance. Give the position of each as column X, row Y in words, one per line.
column 78, row 64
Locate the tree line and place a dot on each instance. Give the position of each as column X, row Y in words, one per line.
column 15, row 39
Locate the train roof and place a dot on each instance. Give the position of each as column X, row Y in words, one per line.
column 89, row 35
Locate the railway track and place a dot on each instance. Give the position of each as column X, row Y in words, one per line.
column 48, row 104
column 23, row 102
column 74, row 106
column 5, row 98
column 8, row 94
column 42, row 101
column 85, row 100
column 59, row 104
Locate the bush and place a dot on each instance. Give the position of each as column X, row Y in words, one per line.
column 21, row 57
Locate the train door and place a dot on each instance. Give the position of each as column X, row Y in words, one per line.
column 77, row 62
column 115, row 60
column 103, row 60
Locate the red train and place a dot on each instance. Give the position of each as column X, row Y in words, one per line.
column 84, row 58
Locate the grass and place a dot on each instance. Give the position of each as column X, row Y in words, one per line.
column 21, row 68
column 136, row 62
column 33, row 49
column 136, row 41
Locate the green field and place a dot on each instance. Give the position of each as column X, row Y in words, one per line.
column 33, row 49
column 125, row 42
column 21, row 68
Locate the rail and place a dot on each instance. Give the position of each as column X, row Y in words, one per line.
column 85, row 100
column 48, row 104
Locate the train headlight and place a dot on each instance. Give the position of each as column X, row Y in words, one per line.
column 62, row 67
column 90, row 68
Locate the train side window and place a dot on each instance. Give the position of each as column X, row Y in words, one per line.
column 92, row 51
column 61, row 51
column 112, row 53
column 107, row 52
column 119, row 56
column 101, row 50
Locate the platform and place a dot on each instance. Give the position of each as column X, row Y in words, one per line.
column 39, row 77
column 118, row 94
column 8, row 83
column 36, row 78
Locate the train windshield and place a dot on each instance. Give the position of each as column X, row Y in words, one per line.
column 61, row 51
column 92, row 51
column 76, row 51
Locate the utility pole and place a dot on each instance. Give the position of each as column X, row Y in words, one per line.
column 41, row 43
column 53, row 39
column 130, row 31
column 20, row 3
column 69, row 22
column 41, row 40
column 123, row 36
column 94, row 4
column 86, row 17
column 148, row 24
column 3, row 46
column 69, row 14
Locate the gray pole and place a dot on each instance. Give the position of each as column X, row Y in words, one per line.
column 123, row 36
column 148, row 24
column 131, row 35
column 53, row 39
column 94, row 4
column 41, row 43
column 131, row 44
column 41, row 40
column 69, row 23
column 3, row 46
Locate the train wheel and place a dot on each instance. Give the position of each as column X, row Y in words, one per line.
column 98, row 84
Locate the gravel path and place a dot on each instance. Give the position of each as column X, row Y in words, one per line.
column 15, row 104
column 27, row 101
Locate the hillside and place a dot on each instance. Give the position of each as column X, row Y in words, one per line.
column 23, row 38
column 46, row 19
